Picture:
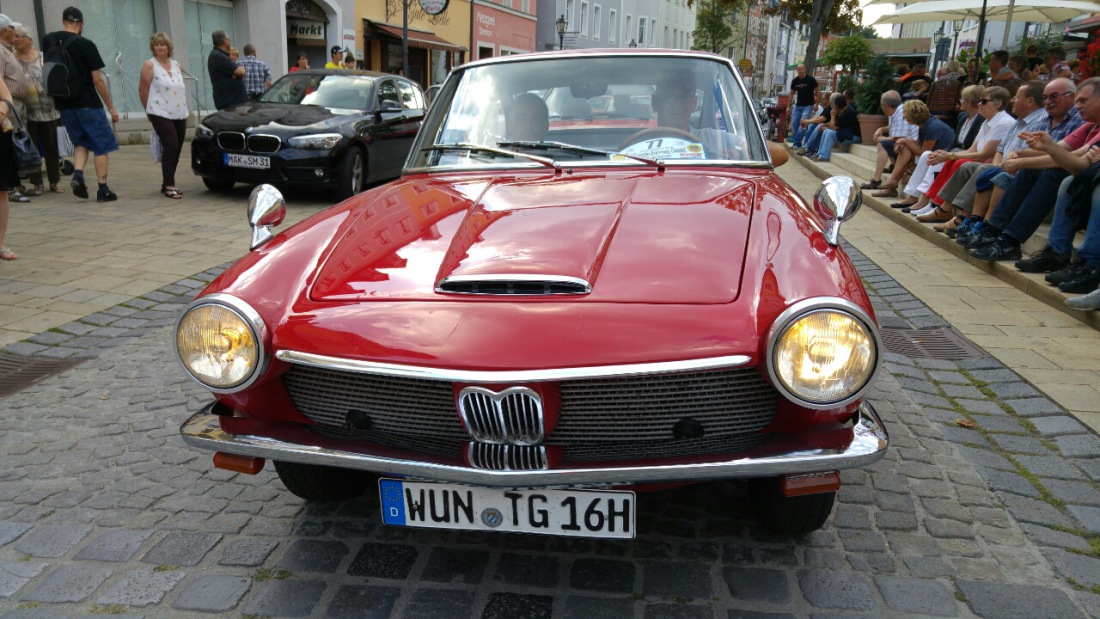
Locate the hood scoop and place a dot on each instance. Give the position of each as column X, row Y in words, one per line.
column 513, row 285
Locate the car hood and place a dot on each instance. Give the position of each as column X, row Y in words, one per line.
column 660, row 237
column 279, row 117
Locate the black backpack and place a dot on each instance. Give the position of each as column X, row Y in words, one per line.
column 59, row 75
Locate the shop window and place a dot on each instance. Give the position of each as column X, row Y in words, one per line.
column 121, row 30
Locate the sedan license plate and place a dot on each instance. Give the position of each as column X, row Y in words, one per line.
column 254, row 162
column 575, row 513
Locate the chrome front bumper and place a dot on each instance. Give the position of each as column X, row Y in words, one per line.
column 869, row 441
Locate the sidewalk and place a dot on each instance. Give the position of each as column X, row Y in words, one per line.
column 1059, row 355
column 78, row 257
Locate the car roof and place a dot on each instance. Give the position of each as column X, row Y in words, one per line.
column 375, row 74
column 583, row 53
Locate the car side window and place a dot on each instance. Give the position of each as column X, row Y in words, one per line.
column 387, row 91
column 411, row 99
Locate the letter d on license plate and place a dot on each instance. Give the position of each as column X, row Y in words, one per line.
column 576, row 513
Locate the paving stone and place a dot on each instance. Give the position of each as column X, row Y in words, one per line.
column 1035, row 407
column 1089, row 516
column 118, row 545
column 948, row 376
column 981, row 457
column 383, row 561
column 1049, row 466
column 927, row 399
column 1035, row 511
column 936, row 364
column 40, row 613
column 1058, row 425
column 1073, row 492
column 676, row 579
column 182, row 548
column 77, row 328
column 362, row 602
column 1079, row 445
column 142, row 587
column 995, row 376
column 247, row 552
column 963, row 390
column 286, row 598
column 829, row 589
column 1007, row 481
column 1008, row 601
column 15, row 574
column 452, row 565
column 69, row 583
column 436, row 603
column 309, row 555
column 940, row 528
column 52, row 540
column 580, row 607
column 981, row 406
column 10, row 531
column 998, row 423
column 518, row 606
column 27, row 349
column 1090, row 467
column 1049, row 537
column 916, row 596
column 758, row 584
column 928, row 567
column 1020, row 444
column 1083, row 569
column 213, row 593
column 962, row 436
column 608, row 575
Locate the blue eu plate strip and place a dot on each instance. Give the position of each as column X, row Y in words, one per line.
column 393, row 502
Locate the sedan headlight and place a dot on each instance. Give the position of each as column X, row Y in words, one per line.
column 823, row 355
column 202, row 131
column 319, row 141
column 219, row 340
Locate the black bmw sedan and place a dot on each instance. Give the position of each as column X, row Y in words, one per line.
column 331, row 129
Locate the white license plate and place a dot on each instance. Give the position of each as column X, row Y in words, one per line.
column 255, row 162
column 575, row 513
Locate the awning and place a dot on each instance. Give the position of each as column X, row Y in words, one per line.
column 419, row 38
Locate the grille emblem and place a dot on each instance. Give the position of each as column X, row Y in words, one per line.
column 513, row 416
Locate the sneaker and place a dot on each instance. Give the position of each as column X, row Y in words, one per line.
column 1071, row 271
column 961, row 230
column 1003, row 248
column 1044, row 261
column 106, row 196
column 984, row 238
column 1085, row 283
column 924, row 211
column 1090, row 301
column 80, row 190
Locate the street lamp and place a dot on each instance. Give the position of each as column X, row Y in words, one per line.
column 957, row 24
column 561, row 25
column 937, row 36
column 632, row 43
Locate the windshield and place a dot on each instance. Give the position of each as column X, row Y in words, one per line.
column 597, row 109
column 348, row 92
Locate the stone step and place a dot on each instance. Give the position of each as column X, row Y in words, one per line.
column 1030, row 283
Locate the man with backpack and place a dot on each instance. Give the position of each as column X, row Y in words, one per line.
column 77, row 62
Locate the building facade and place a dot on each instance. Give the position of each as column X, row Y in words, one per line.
column 591, row 24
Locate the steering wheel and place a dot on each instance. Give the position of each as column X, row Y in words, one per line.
column 657, row 132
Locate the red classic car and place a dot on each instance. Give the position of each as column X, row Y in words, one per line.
column 588, row 281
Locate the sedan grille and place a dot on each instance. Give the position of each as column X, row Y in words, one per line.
column 600, row 419
column 231, row 140
column 263, row 143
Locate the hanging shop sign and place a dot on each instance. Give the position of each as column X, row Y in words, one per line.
column 434, row 7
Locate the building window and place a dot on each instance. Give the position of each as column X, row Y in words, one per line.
column 664, row 38
column 641, row 31
column 612, row 25
column 569, row 17
column 584, row 19
column 596, row 22
column 653, row 32
column 627, row 32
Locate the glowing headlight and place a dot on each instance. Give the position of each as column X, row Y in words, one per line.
column 202, row 131
column 217, row 346
column 320, row 141
column 824, row 356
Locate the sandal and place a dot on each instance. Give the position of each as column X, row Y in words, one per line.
column 7, row 254
column 34, row 191
column 56, row 188
column 871, row 184
column 173, row 193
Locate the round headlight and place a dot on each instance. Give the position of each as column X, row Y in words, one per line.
column 218, row 346
column 824, row 356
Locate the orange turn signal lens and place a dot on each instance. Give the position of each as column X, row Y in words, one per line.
column 811, row 483
column 240, row 464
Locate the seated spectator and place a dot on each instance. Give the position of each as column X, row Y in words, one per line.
column 1027, row 202
column 1056, row 64
column 974, row 74
column 897, row 128
column 1031, row 54
column 970, row 121
column 1018, row 64
column 914, row 85
column 933, row 134
column 810, row 137
column 843, row 128
column 1000, row 74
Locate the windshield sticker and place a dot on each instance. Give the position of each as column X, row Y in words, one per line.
column 662, row 148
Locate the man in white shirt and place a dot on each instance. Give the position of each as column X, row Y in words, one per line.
column 885, row 136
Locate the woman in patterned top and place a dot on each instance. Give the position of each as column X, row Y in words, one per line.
column 42, row 116
column 164, row 96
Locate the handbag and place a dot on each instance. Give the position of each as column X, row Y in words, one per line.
column 155, row 148
column 27, row 158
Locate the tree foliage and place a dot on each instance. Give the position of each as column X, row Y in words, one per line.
column 852, row 52
column 876, row 80
column 867, row 32
column 823, row 17
column 712, row 26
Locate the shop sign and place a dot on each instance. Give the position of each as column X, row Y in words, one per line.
column 434, row 7
column 304, row 29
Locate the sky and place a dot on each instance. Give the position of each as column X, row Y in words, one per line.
column 873, row 12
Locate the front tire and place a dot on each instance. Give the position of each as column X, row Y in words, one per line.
column 353, row 171
column 786, row 515
column 214, row 184
column 323, row 483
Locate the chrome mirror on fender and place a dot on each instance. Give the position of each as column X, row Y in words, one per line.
column 266, row 209
column 840, row 196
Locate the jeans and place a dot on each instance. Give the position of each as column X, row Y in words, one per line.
column 799, row 112
column 1033, row 207
column 812, row 138
column 1064, row 227
column 828, row 139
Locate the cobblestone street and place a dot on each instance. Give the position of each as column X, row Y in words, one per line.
column 987, row 504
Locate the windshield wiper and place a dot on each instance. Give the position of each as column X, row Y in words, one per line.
column 546, row 161
column 578, row 149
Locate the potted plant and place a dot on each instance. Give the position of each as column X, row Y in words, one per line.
column 877, row 78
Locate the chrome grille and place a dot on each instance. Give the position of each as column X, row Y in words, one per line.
column 263, row 143
column 600, row 419
column 231, row 140
column 507, row 457
column 512, row 416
